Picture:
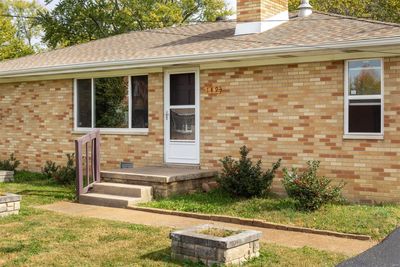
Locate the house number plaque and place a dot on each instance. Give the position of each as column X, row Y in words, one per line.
column 213, row 90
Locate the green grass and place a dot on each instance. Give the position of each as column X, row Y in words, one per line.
column 376, row 221
column 36, row 189
column 42, row 238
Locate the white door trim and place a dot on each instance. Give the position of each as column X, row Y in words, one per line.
column 193, row 147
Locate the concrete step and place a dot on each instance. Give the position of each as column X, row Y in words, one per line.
column 155, row 175
column 109, row 200
column 126, row 190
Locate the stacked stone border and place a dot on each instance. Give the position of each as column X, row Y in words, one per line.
column 6, row 176
column 190, row 244
column 252, row 222
column 9, row 204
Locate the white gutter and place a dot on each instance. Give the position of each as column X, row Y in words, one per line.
column 199, row 58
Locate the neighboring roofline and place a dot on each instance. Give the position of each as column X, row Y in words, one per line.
column 199, row 58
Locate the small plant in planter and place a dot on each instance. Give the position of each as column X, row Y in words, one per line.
column 218, row 232
column 213, row 245
column 10, row 164
column 243, row 178
column 7, row 168
column 310, row 190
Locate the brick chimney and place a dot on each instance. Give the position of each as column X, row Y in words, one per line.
column 255, row 16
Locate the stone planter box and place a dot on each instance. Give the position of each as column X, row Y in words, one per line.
column 9, row 204
column 191, row 244
column 6, row 176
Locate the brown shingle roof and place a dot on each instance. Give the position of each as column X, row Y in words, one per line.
column 203, row 38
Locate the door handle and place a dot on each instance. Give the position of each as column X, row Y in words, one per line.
column 166, row 115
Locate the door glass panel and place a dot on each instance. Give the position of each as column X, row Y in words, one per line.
column 182, row 124
column 182, row 89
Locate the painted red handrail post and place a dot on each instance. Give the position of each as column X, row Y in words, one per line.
column 92, row 138
column 79, row 176
column 97, row 156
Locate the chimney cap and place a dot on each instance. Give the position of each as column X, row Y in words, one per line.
column 305, row 9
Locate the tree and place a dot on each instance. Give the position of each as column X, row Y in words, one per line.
column 383, row 10
column 386, row 10
column 10, row 45
column 111, row 102
column 355, row 8
column 76, row 21
column 24, row 13
column 367, row 82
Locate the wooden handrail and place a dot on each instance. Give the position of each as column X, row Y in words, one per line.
column 92, row 138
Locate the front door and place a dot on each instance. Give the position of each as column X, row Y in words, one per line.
column 181, row 117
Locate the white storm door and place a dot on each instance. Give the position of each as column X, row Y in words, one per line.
column 182, row 116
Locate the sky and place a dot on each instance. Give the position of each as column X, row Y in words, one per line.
column 231, row 5
column 49, row 6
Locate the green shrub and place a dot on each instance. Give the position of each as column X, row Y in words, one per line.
column 10, row 164
column 310, row 190
column 50, row 168
column 244, row 179
column 64, row 175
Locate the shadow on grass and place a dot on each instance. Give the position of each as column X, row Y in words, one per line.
column 12, row 248
column 164, row 255
column 46, row 193
column 27, row 176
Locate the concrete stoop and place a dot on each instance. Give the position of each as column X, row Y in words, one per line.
column 165, row 180
column 116, row 195
column 121, row 188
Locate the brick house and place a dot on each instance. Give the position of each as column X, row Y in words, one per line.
column 296, row 86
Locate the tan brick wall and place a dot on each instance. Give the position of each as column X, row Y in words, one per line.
column 36, row 121
column 295, row 112
column 257, row 10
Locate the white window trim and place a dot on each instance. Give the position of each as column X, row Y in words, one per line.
column 130, row 130
column 347, row 98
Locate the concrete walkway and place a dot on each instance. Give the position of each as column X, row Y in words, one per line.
column 345, row 246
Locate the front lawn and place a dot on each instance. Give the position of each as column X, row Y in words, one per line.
column 42, row 238
column 37, row 189
column 376, row 221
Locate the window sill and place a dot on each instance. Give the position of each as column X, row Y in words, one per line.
column 114, row 131
column 363, row 136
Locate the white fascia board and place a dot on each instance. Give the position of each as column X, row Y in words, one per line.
column 195, row 59
column 262, row 26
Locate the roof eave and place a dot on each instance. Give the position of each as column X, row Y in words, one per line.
column 199, row 58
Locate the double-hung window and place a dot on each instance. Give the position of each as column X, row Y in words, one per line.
column 112, row 104
column 364, row 99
